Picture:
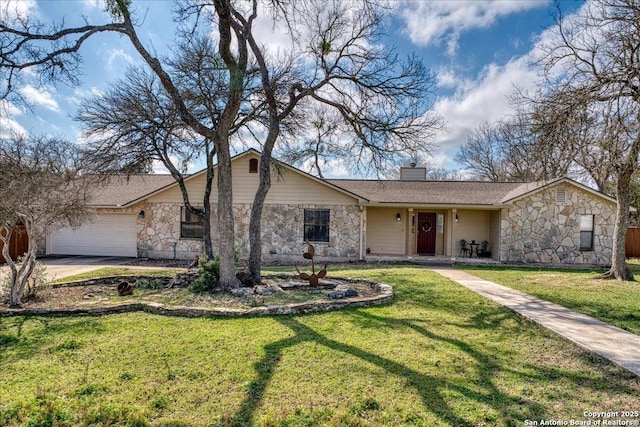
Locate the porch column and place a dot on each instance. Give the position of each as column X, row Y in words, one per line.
column 363, row 232
column 451, row 219
column 410, row 239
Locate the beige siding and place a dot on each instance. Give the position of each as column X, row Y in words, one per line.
column 471, row 225
column 287, row 187
column 494, row 240
column 440, row 232
column 385, row 235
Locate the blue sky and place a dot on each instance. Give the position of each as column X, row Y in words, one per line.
column 479, row 49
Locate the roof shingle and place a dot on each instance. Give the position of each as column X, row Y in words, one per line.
column 431, row 192
column 119, row 190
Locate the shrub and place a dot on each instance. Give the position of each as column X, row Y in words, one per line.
column 208, row 274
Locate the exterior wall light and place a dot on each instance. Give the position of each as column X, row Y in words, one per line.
column 398, row 216
column 457, row 218
column 141, row 214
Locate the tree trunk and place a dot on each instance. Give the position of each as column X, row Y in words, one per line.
column 207, row 241
column 226, row 232
column 19, row 276
column 619, row 269
column 208, row 245
column 13, row 271
column 255, row 223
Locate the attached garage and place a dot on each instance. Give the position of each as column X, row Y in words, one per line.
column 106, row 235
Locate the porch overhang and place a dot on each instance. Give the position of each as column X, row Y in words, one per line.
column 436, row 206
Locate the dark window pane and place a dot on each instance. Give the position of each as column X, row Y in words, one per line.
column 191, row 225
column 191, row 230
column 253, row 165
column 316, row 225
column 586, row 240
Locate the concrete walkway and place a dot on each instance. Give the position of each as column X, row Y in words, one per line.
column 59, row 267
column 619, row 346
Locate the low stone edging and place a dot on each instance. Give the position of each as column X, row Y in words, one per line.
column 385, row 295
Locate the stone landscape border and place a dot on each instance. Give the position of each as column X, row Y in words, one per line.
column 385, row 294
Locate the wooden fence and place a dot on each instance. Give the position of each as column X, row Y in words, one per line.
column 632, row 248
column 18, row 245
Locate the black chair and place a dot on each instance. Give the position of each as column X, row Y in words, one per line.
column 464, row 249
column 484, row 250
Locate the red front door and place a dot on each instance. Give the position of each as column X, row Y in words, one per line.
column 426, row 233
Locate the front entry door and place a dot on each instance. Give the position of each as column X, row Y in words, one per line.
column 426, row 233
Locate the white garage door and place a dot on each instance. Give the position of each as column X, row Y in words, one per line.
column 105, row 235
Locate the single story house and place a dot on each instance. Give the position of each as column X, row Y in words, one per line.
column 557, row 221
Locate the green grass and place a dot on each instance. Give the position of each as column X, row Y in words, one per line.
column 439, row 355
column 119, row 271
column 613, row 302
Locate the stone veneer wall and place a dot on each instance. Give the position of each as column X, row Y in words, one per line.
column 282, row 232
column 160, row 230
column 537, row 229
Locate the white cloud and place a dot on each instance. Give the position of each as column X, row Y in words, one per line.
column 8, row 125
column 80, row 93
column 42, row 97
column 475, row 101
column 435, row 22
column 484, row 98
column 91, row 4
column 117, row 55
column 10, row 10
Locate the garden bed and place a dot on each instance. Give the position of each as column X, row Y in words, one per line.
column 279, row 294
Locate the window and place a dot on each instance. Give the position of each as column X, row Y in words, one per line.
column 316, row 225
column 586, row 232
column 191, row 226
column 253, row 165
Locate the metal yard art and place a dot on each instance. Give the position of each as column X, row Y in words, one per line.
column 313, row 277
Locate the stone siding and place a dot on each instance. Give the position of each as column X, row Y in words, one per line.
column 159, row 233
column 282, row 232
column 538, row 229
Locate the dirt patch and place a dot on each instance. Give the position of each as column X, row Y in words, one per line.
column 278, row 294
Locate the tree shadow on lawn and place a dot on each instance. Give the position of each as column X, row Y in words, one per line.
column 431, row 388
column 603, row 371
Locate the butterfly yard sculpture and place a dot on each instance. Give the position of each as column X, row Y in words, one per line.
column 313, row 277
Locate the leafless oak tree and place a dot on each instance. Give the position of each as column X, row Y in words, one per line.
column 383, row 102
column 593, row 64
column 335, row 60
column 40, row 187
column 509, row 150
column 53, row 50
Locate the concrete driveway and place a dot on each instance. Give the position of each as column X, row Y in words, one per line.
column 58, row 267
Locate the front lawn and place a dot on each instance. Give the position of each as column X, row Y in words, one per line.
column 613, row 302
column 438, row 355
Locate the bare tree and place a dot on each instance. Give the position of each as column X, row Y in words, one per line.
column 593, row 62
column 324, row 142
column 484, row 153
column 574, row 132
column 135, row 123
column 442, row 174
column 509, row 150
column 342, row 66
column 54, row 52
column 40, row 187
column 337, row 61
